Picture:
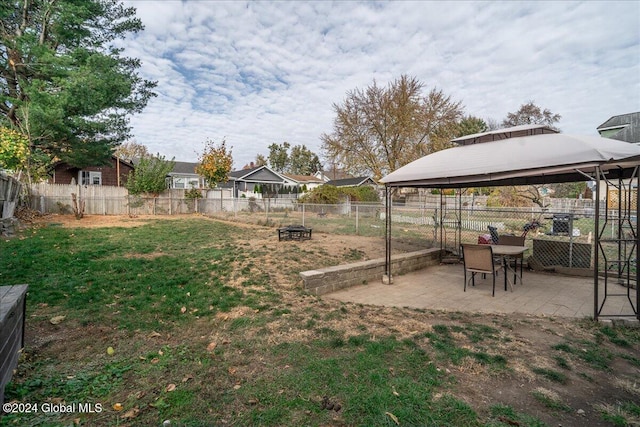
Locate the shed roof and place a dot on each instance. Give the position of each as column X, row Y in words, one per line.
column 537, row 159
column 624, row 127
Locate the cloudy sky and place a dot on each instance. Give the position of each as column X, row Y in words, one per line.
column 255, row 73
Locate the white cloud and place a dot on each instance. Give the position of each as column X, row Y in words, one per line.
column 262, row 72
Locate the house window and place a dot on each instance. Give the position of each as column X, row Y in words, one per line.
column 179, row 182
column 90, row 178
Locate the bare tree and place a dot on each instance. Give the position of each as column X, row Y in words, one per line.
column 379, row 129
column 531, row 114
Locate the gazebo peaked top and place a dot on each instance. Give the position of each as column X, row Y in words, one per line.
column 536, row 159
column 504, row 133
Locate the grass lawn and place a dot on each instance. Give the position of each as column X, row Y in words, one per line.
column 204, row 323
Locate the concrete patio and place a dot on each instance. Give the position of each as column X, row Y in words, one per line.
column 441, row 288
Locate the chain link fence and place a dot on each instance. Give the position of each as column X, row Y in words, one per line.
column 555, row 238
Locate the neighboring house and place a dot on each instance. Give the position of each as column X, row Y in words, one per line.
column 625, row 127
column 498, row 134
column 245, row 182
column 184, row 176
column 115, row 174
column 308, row 182
column 353, row 182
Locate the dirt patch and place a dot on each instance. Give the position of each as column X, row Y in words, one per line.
column 359, row 247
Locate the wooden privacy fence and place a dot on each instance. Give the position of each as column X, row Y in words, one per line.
column 9, row 193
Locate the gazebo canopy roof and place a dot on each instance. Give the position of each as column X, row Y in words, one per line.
column 536, row 159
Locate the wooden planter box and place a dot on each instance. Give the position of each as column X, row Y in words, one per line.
column 13, row 300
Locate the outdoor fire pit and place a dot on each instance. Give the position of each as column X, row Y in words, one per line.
column 294, row 232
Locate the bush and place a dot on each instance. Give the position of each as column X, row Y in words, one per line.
column 331, row 195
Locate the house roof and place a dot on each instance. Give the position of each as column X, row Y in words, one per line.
column 624, row 127
column 511, row 132
column 184, row 168
column 303, row 178
column 537, row 159
column 257, row 174
column 351, row 182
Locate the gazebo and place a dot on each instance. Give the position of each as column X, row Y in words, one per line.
column 546, row 159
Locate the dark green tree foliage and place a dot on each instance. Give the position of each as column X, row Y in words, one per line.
column 300, row 161
column 279, row 156
column 470, row 125
column 150, row 175
column 303, row 161
column 62, row 81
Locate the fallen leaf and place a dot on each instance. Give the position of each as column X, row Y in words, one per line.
column 117, row 407
column 393, row 417
column 155, row 360
column 110, row 351
column 212, row 346
column 131, row 413
column 183, row 309
column 170, row 387
column 237, row 386
column 253, row 401
column 187, row 378
column 395, row 393
column 56, row 319
column 139, row 395
column 154, row 334
column 232, row 370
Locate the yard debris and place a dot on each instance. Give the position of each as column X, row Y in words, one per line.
column 183, row 310
column 393, row 417
column 118, row 407
column 131, row 413
column 110, row 351
column 212, row 346
column 57, row 319
column 171, row 387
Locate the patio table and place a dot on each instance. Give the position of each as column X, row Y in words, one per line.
column 505, row 252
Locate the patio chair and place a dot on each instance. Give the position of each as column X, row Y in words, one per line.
column 514, row 241
column 479, row 259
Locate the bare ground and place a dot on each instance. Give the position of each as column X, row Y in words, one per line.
column 527, row 340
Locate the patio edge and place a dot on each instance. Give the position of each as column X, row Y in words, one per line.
column 325, row 280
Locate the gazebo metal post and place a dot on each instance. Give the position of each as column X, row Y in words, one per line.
column 441, row 220
column 387, row 218
column 596, row 254
column 637, row 236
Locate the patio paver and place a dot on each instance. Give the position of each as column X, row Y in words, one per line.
column 441, row 288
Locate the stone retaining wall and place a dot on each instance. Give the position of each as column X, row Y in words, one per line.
column 330, row 279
